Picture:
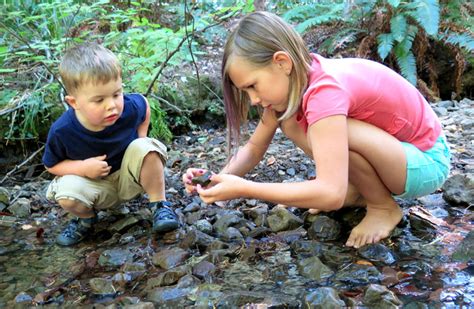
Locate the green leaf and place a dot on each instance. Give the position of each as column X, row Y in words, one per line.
column 394, row 3
column 426, row 13
column 398, row 26
column 406, row 62
column 7, row 70
column 385, row 41
column 463, row 40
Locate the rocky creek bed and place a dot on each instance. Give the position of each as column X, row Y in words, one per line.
column 248, row 253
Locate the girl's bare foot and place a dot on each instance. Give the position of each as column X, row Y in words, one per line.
column 377, row 224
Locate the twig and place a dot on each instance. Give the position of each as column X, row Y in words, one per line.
column 167, row 103
column 18, row 37
column 170, row 55
column 190, row 42
column 20, row 165
column 213, row 92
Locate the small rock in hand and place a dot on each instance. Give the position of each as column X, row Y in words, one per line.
column 202, row 180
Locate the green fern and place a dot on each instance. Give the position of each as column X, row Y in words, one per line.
column 159, row 127
column 407, row 65
column 404, row 55
column 311, row 15
column 340, row 40
column 399, row 26
column 317, row 20
column 426, row 13
column 462, row 40
column 385, row 44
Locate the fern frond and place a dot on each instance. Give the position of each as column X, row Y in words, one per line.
column 406, row 62
column 298, row 12
column 462, row 40
column 340, row 39
column 317, row 20
column 394, row 3
column 385, row 44
column 159, row 127
column 426, row 13
column 398, row 26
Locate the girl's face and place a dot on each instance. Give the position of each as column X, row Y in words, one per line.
column 266, row 86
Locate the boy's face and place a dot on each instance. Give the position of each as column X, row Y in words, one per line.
column 266, row 86
column 98, row 106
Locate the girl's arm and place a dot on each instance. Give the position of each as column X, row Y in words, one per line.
column 248, row 156
column 329, row 143
column 143, row 127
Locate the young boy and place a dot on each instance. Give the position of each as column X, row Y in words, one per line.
column 99, row 149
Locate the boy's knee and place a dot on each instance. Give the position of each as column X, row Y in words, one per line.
column 75, row 207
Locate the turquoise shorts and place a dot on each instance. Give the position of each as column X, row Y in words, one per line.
column 426, row 170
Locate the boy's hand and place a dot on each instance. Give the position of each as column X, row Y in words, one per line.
column 96, row 167
column 188, row 177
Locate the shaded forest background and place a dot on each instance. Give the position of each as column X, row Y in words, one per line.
column 171, row 52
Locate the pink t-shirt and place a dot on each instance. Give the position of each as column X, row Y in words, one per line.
column 368, row 91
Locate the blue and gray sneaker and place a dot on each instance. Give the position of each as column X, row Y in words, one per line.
column 164, row 218
column 75, row 231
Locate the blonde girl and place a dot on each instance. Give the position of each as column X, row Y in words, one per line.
column 371, row 134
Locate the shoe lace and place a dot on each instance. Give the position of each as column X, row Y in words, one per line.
column 71, row 228
column 164, row 213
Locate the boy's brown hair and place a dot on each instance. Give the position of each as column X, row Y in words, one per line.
column 88, row 63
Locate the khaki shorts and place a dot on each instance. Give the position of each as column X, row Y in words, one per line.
column 122, row 185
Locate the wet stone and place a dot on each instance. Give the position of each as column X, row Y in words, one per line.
column 204, row 226
column 207, row 295
column 204, row 270
column 195, row 238
column 356, row 275
column 281, row 219
column 187, row 281
column 168, row 277
column 306, row 248
column 465, row 251
column 232, row 234
column 170, row 258
column 377, row 253
column 378, row 296
column 324, row 228
column 4, row 196
column 21, row 208
column 115, row 257
column 191, row 207
column 312, row 268
column 459, row 189
column 102, row 286
column 335, row 256
column 324, row 298
column 171, row 297
column 293, row 235
column 193, row 217
column 224, row 222
column 124, row 223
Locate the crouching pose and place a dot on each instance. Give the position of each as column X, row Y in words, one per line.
column 370, row 132
column 99, row 149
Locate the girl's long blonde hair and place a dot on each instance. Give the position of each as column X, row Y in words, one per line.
column 257, row 37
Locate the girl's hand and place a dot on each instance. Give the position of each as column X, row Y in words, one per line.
column 189, row 175
column 223, row 187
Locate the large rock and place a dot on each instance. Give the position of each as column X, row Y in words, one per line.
column 281, row 219
column 459, row 189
